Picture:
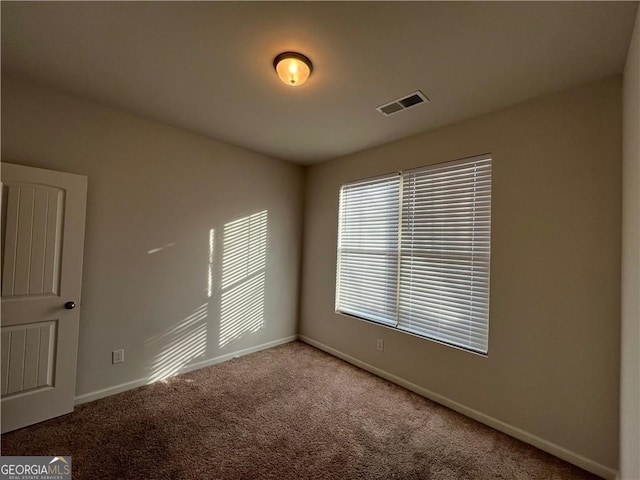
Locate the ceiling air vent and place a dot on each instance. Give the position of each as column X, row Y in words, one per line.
column 403, row 103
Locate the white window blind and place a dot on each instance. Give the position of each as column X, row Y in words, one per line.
column 414, row 251
column 368, row 249
column 445, row 247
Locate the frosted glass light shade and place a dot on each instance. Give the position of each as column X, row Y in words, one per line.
column 293, row 68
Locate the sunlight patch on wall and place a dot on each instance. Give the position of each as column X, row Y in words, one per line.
column 212, row 240
column 243, row 277
column 242, row 309
column 179, row 345
column 159, row 249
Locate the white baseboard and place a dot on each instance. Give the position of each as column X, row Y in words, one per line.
column 542, row 444
column 106, row 392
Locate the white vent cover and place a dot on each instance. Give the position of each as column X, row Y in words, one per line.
column 411, row 100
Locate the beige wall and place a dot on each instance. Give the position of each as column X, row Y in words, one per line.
column 630, row 371
column 154, row 187
column 553, row 364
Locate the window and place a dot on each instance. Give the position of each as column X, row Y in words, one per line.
column 414, row 250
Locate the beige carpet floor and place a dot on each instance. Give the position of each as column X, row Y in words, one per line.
column 291, row 412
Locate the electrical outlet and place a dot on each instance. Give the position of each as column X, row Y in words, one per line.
column 117, row 356
column 380, row 345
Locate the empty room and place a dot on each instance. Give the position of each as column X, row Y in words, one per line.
column 320, row 240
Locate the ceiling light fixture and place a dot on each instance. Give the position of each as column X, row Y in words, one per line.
column 293, row 68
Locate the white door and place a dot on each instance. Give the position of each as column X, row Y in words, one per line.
column 43, row 214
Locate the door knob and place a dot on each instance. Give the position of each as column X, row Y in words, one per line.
column 70, row 305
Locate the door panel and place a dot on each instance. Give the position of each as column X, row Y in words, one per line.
column 28, row 356
column 43, row 215
column 34, row 216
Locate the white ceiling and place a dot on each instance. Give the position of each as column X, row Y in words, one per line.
column 207, row 66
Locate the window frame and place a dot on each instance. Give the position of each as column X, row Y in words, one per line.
column 403, row 174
